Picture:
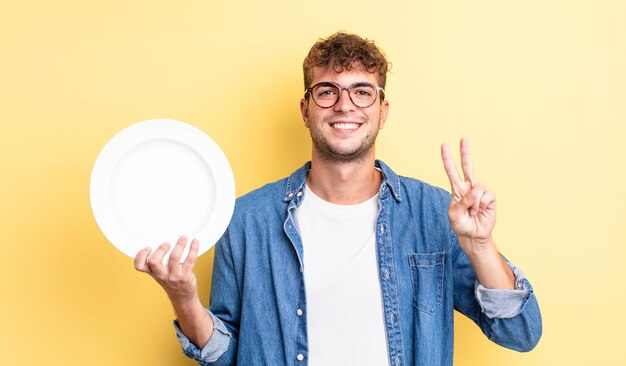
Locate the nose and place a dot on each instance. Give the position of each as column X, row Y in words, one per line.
column 344, row 103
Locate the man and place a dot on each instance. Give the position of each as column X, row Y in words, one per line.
column 344, row 262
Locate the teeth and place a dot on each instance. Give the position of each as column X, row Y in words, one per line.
column 345, row 126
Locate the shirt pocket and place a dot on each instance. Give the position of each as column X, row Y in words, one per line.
column 427, row 279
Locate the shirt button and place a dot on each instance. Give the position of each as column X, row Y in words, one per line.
column 299, row 194
column 392, row 318
column 382, row 229
column 397, row 361
column 290, row 194
column 299, row 357
column 386, row 273
column 299, row 312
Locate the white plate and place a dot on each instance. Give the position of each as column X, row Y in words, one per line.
column 159, row 179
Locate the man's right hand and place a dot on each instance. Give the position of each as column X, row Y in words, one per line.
column 177, row 279
column 181, row 286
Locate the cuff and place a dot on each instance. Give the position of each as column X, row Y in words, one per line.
column 215, row 347
column 497, row 303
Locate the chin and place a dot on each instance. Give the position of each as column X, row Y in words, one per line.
column 344, row 156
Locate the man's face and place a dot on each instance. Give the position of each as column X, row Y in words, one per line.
column 343, row 132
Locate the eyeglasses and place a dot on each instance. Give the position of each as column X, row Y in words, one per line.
column 326, row 94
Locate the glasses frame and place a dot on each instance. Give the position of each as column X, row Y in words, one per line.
column 379, row 91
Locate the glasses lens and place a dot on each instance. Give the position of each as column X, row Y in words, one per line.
column 363, row 94
column 325, row 95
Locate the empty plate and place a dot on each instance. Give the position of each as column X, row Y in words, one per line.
column 157, row 180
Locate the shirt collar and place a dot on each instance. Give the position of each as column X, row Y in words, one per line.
column 297, row 180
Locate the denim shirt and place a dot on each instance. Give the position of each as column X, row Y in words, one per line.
column 258, row 301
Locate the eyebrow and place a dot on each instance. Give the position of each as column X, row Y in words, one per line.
column 363, row 83
column 325, row 83
column 330, row 83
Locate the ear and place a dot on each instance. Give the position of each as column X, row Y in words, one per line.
column 384, row 111
column 304, row 111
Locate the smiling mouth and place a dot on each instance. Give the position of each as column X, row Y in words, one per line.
column 345, row 125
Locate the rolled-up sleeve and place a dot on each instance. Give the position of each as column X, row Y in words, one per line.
column 215, row 347
column 502, row 304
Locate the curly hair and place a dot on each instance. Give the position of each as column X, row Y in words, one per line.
column 343, row 51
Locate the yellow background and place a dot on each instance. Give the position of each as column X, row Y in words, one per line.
column 539, row 87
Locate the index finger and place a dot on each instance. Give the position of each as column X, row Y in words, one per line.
column 448, row 164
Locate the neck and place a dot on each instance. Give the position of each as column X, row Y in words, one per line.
column 344, row 183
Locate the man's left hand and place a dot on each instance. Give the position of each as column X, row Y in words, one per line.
column 472, row 211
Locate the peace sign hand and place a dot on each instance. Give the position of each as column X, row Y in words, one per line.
column 472, row 210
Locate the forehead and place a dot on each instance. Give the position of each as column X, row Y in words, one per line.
column 346, row 77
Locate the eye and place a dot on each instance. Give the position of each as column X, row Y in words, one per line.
column 326, row 92
column 363, row 91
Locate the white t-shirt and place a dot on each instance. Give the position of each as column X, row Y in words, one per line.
column 344, row 303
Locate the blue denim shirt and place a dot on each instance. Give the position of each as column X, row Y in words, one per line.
column 258, row 300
